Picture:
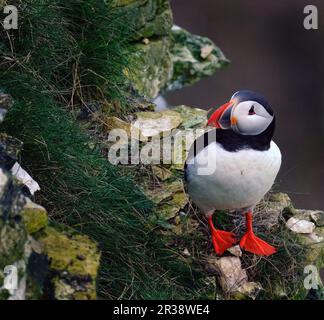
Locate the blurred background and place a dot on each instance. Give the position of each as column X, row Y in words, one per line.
column 272, row 53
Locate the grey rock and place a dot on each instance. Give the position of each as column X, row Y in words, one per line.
column 318, row 218
column 229, row 271
column 235, row 251
column 194, row 57
column 148, row 17
column 300, row 226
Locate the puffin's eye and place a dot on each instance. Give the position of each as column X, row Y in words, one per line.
column 251, row 111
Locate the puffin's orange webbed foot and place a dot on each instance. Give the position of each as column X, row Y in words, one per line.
column 250, row 242
column 222, row 240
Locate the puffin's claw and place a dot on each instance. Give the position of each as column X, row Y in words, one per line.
column 250, row 242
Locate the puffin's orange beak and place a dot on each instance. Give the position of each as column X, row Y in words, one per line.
column 221, row 118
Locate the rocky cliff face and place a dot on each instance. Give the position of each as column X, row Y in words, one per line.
column 166, row 57
column 49, row 260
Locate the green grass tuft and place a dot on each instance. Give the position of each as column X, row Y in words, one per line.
column 77, row 49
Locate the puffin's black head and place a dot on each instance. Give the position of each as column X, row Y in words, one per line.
column 247, row 113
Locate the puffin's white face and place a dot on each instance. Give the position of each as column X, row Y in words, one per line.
column 247, row 117
column 250, row 118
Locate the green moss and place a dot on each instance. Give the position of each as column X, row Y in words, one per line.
column 4, row 294
column 194, row 57
column 147, row 17
column 34, row 217
column 65, row 291
column 74, row 253
column 153, row 66
column 12, row 240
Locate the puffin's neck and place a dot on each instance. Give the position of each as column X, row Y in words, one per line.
column 232, row 141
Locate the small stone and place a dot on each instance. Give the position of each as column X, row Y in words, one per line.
column 318, row 218
column 235, row 251
column 81, row 257
column 300, row 226
column 186, row 252
column 146, row 41
column 36, row 246
column 229, row 270
column 249, row 290
column 183, row 214
column 314, row 237
column 205, row 51
column 18, row 172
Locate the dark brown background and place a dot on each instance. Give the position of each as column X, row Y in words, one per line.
column 270, row 52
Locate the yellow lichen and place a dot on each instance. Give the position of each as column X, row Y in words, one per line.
column 75, row 253
column 34, row 217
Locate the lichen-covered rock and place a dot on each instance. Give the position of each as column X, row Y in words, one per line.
column 194, row 57
column 172, row 130
column 318, row 218
column 13, row 236
column 268, row 212
column 47, row 262
column 153, row 66
column 148, row 17
column 170, row 63
column 73, row 259
column 151, row 124
column 191, row 117
column 308, row 234
column 9, row 150
column 34, row 217
column 170, row 198
column 165, row 57
column 248, row 290
column 57, row 256
column 6, row 102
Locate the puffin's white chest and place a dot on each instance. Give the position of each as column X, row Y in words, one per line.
column 240, row 179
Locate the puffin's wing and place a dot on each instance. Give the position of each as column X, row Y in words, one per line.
column 198, row 145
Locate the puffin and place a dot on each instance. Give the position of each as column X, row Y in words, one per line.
column 240, row 163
